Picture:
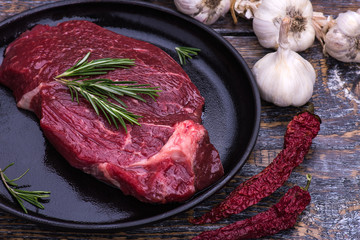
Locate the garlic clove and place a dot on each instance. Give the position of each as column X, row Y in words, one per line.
column 341, row 48
column 205, row 11
column 342, row 41
column 266, row 33
column 349, row 23
column 268, row 17
column 284, row 77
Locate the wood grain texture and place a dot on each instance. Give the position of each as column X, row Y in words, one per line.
column 333, row 161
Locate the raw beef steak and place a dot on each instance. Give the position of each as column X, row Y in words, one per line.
column 166, row 159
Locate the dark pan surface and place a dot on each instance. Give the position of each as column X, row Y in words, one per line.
column 80, row 202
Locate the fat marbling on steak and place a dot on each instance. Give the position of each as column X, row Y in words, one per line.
column 166, row 159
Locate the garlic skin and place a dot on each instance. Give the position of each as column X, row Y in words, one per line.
column 205, row 11
column 342, row 41
column 267, row 20
column 246, row 8
column 284, row 78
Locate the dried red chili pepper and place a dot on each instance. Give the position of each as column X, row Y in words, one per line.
column 297, row 141
column 279, row 217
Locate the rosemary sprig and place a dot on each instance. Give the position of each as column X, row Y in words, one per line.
column 99, row 91
column 20, row 195
column 186, row 52
column 96, row 67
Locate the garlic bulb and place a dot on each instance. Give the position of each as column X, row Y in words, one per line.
column 246, row 8
column 205, row 11
column 284, row 77
column 342, row 41
column 267, row 20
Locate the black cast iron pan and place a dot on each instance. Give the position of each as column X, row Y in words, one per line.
column 80, row 202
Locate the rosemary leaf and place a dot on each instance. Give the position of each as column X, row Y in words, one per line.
column 186, row 52
column 96, row 67
column 31, row 197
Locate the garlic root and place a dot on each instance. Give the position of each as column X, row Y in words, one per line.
column 322, row 25
column 244, row 8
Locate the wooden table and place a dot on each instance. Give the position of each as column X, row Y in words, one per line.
column 333, row 161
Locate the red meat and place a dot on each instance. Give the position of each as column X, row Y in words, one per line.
column 166, row 159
